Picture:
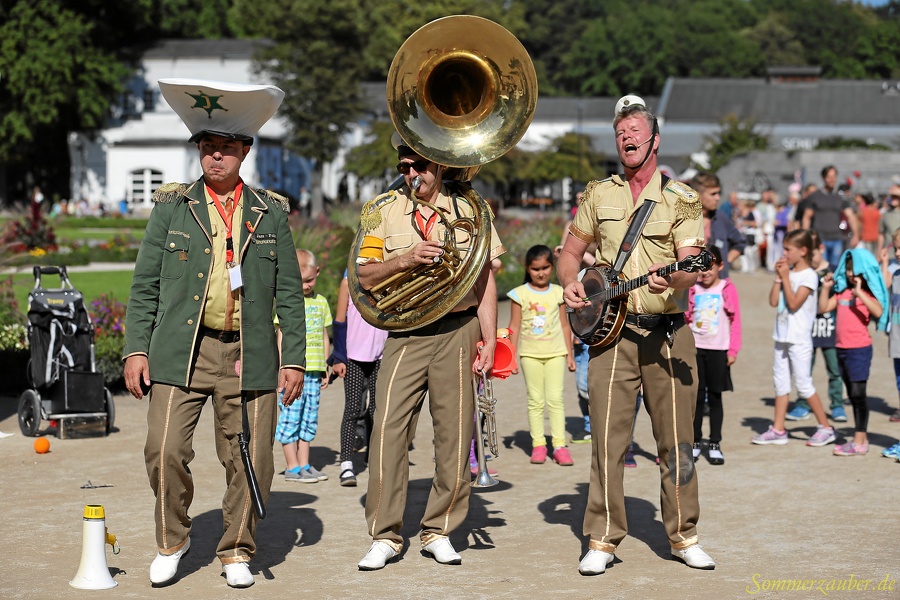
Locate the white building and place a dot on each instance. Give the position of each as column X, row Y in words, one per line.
column 146, row 143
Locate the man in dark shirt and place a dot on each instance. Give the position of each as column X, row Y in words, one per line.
column 718, row 228
column 824, row 213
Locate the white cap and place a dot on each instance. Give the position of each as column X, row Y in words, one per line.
column 629, row 100
column 234, row 110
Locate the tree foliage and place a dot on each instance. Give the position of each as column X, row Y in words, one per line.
column 372, row 159
column 56, row 75
column 735, row 136
column 63, row 63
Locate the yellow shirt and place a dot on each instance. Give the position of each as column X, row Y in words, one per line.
column 395, row 232
column 220, row 300
column 675, row 222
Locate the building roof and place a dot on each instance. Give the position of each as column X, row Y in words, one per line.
column 826, row 102
column 204, row 48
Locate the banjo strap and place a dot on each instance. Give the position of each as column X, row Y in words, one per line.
column 634, row 231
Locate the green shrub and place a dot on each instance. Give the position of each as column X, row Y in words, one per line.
column 108, row 315
column 108, row 360
column 518, row 235
column 330, row 241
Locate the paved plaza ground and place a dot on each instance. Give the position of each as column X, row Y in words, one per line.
column 771, row 516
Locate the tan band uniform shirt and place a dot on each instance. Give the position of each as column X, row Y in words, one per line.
column 604, row 216
column 394, row 231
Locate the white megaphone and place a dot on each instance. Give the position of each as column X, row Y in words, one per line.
column 93, row 574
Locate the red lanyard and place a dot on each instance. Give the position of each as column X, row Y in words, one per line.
column 425, row 228
column 227, row 218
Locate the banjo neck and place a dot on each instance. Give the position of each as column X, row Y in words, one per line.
column 620, row 289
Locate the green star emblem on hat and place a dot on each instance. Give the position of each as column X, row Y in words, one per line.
column 206, row 102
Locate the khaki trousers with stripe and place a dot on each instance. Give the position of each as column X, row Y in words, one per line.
column 669, row 379
column 436, row 359
column 171, row 419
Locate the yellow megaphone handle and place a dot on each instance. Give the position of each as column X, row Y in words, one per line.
column 111, row 540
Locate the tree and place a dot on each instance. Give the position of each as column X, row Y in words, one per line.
column 374, row 159
column 735, row 136
column 316, row 59
column 569, row 156
column 55, row 77
column 776, row 41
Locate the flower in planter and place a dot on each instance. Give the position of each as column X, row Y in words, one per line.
column 13, row 336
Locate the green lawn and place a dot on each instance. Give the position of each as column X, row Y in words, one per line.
column 91, row 284
column 66, row 234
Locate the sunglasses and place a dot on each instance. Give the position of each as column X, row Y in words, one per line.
column 420, row 166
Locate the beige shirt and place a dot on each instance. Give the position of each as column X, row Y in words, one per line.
column 392, row 231
column 221, row 302
column 675, row 223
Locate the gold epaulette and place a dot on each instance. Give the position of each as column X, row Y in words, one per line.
column 370, row 216
column 589, row 188
column 278, row 199
column 169, row 192
column 687, row 206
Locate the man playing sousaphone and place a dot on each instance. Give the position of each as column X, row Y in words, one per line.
column 653, row 351
column 438, row 358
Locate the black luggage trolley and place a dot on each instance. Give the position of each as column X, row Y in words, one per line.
column 67, row 389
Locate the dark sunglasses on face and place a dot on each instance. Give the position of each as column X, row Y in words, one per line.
column 419, row 166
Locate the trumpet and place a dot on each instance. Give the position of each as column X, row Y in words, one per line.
column 485, row 404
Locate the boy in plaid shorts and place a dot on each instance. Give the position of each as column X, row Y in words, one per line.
column 297, row 423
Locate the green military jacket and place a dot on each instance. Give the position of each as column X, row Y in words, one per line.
column 171, row 277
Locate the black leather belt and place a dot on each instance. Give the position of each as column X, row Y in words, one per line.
column 226, row 337
column 469, row 312
column 654, row 321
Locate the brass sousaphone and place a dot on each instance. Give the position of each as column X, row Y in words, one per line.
column 461, row 92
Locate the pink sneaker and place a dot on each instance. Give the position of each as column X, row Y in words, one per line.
column 850, row 449
column 539, row 455
column 562, row 457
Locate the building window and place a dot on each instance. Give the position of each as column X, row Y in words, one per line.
column 143, row 183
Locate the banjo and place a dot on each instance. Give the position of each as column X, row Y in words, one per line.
column 600, row 323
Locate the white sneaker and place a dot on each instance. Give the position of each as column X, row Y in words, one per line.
column 238, row 575
column 164, row 566
column 377, row 556
column 594, row 562
column 695, row 557
column 442, row 551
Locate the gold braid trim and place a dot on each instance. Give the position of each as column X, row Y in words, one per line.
column 589, row 189
column 277, row 199
column 688, row 204
column 169, row 192
column 370, row 217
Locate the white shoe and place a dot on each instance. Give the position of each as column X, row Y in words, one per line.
column 695, row 557
column 164, row 566
column 238, row 575
column 594, row 562
column 442, row 551
column 377, row 556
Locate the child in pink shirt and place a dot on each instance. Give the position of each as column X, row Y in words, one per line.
column 714, row 316
column 856, row 306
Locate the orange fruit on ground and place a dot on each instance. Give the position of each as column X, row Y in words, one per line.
column 42, row 445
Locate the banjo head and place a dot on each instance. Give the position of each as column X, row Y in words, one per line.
column 585, row 321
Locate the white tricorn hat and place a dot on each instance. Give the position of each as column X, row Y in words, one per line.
column 232, row 110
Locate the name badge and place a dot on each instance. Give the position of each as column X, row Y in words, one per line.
column 234, row 276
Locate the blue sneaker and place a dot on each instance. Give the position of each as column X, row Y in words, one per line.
column 838, row 414
column 892, row 452
column 799, row 413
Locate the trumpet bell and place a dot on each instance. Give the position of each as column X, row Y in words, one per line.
column 461, row 91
